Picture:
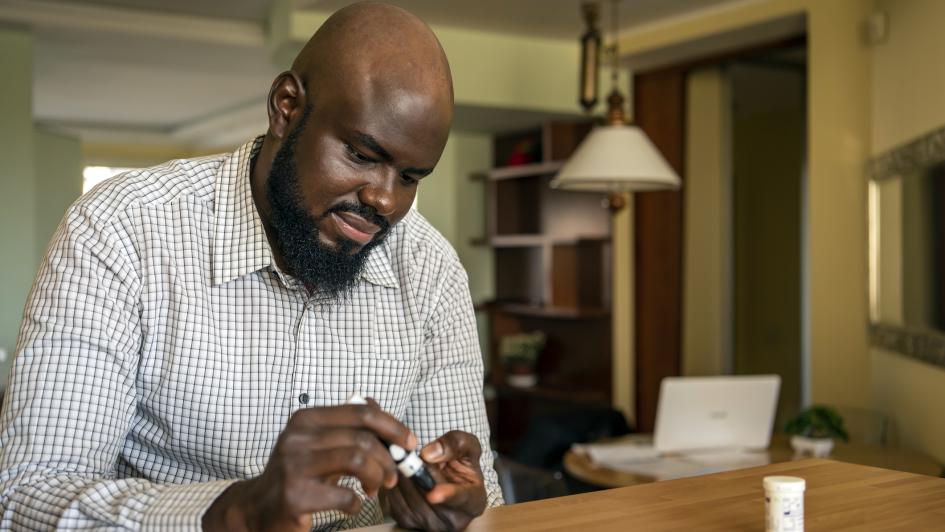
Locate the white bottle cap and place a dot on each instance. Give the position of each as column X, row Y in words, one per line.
column 356, row 399
column 397, row 452
column 784, row 484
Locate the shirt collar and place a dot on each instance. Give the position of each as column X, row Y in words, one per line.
column 377, row 269
column 240, row 245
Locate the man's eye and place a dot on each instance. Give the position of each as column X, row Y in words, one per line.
column 409, row 180
column 356, row 155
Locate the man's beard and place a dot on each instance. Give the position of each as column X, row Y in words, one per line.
column 333, row 272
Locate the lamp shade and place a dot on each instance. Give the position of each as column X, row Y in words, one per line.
column 616, row 158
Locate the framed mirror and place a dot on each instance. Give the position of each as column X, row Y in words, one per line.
column 907, row 249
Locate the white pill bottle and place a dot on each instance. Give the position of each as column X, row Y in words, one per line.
column 784, row 504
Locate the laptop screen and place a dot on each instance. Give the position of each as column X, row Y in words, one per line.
column 726, row 412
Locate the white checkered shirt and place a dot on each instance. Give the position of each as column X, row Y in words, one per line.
column 162, row 352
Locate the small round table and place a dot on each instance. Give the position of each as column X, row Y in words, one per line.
column 580, row 466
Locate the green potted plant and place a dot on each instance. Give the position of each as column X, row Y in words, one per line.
column 519, row 353
column 813, row 431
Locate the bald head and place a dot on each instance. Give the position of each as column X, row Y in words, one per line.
column 375, row 46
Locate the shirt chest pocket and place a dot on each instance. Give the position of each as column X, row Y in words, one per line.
column 392, row 368
column 370, row 351
column 390, row 381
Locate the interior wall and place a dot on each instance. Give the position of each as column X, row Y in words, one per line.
column 41, row 172
column 473, row 154
column 454, row 203
column 707, row 288
column 58, row 182
column 18, row 260
column 838, row 144
column 436, row 195
column 838, row 147
column 139, row 154
column 907, row 88
column 767, row 166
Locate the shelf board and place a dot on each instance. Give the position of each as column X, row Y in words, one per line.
column 522, row 309
column 571, row 241
column 525, row 170
column 556, row 394
column 517, row 241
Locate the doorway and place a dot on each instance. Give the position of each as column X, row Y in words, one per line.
column 742, row 267
column 768, row 139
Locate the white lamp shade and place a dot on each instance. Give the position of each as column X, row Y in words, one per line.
column 616, row 159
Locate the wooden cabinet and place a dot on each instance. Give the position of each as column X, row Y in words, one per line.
column 552, row 274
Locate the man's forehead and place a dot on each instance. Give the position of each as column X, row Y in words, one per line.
column 388, row 109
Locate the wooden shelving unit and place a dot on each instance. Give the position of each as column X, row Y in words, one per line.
column 552, row 274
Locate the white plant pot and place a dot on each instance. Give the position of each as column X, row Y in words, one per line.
column 815, row 447
column 523, row 381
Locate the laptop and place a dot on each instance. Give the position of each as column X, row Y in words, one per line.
column 703, row 425
column 716, row 413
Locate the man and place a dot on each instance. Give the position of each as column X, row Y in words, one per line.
column 195, row 329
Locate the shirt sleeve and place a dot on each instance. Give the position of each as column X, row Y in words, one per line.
column 450, row 395
column 71, row 398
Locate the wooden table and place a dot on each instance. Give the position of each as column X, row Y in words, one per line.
column 839, row 496
column 581, row 467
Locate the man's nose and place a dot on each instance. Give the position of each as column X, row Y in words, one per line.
column 379, row 193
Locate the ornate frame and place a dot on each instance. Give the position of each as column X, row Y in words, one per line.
column 926, row 345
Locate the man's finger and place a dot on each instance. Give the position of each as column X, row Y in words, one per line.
column 311, row 498
column 369, row 417
column 352, row 461
column 316, row 441
column 405, row 514
column 454, row 445
column 430, row 516
column 442, row 492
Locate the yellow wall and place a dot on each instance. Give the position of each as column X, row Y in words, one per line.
column 137, row 154
column 838, row 141
column 706, row 324
column 454, row 204
column 908, row 99
column 838, row 145
column 490, row 69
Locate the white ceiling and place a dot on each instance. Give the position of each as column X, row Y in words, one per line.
column 544, row 18
column 247, row 10
column 539, row 18
column 93, row 78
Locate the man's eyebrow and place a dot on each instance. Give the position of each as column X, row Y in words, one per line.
column 418, row 172
column 372, row 144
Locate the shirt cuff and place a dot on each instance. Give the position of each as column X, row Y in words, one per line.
column 181, row 506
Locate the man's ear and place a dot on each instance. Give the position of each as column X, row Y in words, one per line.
column 286, row 102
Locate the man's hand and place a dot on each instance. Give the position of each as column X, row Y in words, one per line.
column 316, row 448
column 459, row 495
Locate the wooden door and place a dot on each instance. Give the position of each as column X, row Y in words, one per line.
column 659, row 109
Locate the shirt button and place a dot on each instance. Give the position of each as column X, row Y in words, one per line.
column 303, row 398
